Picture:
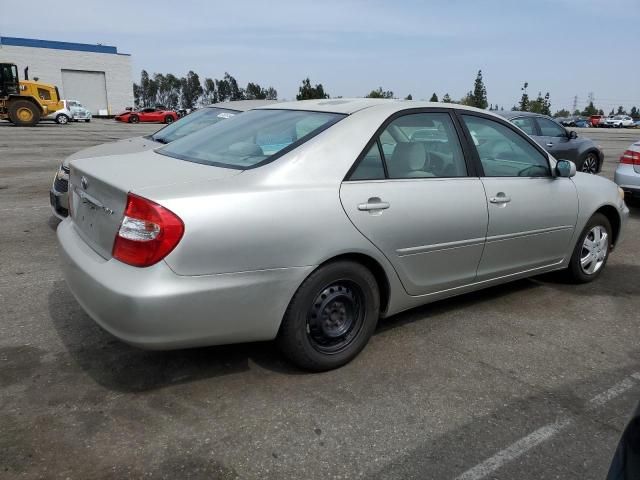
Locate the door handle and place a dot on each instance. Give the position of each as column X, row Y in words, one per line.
column 549, row 144
column 374, row 203
column 500, row 198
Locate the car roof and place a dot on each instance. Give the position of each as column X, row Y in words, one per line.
column 242, row 105
column 509, row 114
column 352, row 105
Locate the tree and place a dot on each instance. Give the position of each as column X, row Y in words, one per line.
column 408, row 97
column 600, row 112
column 467, row 100
column 621, row 111
column 223, row 90
column 479, row 95
column 379, row 93
column 523, row 106
column 434, row 98
column 635, row 113
column 612, row 112
column 254, row 92
column 562, row 113
column 147, row 90
column 191, row 89
column 271, row 94
column 235, row 92
column 541, row 104
column 169, row 89
column 590, row 110
column 446, row 98
column 307, row 92
column 210, row 94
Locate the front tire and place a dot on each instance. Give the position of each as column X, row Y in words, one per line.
column 168, row 119
column 62, row 119
column 591, row 252
column 590, row 163
column 331, row 317
column 23, row 113
column 134, row 119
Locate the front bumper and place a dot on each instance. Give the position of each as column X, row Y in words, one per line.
column 157, row 309
column 627, row 179
column 59, row 197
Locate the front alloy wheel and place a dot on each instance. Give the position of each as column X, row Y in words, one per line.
column 592, row 250
column 590, row 164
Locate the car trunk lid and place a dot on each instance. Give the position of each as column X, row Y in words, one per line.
column 99, row 188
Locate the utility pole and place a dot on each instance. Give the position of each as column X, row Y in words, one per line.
column 575, row 104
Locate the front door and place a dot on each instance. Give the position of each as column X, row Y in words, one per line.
column 411, row 196
column 557, row 141
column 532, row 214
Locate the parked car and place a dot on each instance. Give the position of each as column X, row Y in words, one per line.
column 150, row 114
column 61, row 117
column 597, row 120
column 199, row 119
column 582, row 123
column 619, row 121
column 627, row 174
column 636, row 124
column 78, row 111
column 308, row 221
column 558, row 141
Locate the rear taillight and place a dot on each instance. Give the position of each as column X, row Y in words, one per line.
column 148, row 232
column 631, row 157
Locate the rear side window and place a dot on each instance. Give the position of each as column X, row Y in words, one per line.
column 250, row 139
column 503, row 152
column 418, row 145
column 192, row 123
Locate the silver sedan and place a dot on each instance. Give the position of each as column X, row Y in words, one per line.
column 306, row 222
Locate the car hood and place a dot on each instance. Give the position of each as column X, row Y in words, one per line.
column 129, row 145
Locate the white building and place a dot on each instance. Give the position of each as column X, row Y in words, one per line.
column 96, row 75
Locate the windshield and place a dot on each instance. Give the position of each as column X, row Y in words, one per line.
column 251, row 139
column 192, row 123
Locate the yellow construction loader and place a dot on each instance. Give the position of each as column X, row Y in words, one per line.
column 25, row 102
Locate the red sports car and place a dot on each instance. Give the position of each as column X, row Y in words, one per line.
column 150, row 114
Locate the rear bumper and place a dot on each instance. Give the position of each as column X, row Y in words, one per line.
column 628, row 179
column 155, row 308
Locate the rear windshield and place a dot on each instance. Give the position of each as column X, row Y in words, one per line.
column 251, row 139
column 192, row 123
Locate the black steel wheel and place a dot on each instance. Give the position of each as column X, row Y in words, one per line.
column 331, row 317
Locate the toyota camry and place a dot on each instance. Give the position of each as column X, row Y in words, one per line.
column 307, row 222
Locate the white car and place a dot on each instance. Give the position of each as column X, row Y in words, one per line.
column 78, row 111
column 62, row 116
column 619, row 121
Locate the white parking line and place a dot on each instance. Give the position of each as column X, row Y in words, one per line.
column 513, row 451
column 525, row 444
column 613, row 392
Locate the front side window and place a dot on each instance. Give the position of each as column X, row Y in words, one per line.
column 549, row 128
column 251, row 139
column 526, row 124
column 418, row 145
column 192, row 123
column 503, row 152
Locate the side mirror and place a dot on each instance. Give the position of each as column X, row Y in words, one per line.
column 565, row 168
column 572, row 135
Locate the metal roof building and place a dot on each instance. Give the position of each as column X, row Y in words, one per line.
column 96, row 75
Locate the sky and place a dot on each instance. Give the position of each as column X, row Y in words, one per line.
column 566, row 47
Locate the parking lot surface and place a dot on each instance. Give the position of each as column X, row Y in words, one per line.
column 530, row 380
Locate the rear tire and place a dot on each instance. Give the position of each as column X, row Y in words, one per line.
column 24, row 113
column 134, row 119
column 331, row 317
column 591, row 252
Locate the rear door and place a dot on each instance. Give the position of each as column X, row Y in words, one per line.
column 413, row 195
column 532, row 214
